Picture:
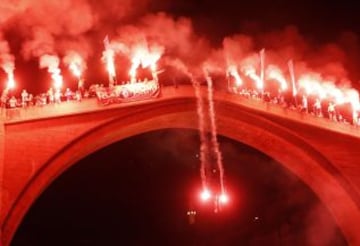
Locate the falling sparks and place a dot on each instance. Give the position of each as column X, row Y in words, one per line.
column 203, row 141
column 214, row 140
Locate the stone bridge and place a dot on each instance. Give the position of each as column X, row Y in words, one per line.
column 38, row 144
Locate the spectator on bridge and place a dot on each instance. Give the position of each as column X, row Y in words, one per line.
column 3, row 99
column 51, row 96
column 57, row 96
column 68, row 94
column 78, row 95
column 81, row 87
column 24, row 98
column 331, row 111
column 13, row 102
column 304, row 104
column 355, row 117
column 317, row 107
column 30, row 100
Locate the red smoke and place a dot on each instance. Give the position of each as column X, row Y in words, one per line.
column 51, row 27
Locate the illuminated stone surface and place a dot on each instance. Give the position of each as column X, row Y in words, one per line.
column 38, row 144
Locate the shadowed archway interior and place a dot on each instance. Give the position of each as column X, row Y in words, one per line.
column 138, row 192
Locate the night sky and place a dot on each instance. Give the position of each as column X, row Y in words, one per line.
column 137, row 191
column 321, row 20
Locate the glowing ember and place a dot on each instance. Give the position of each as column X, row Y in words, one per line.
column 274, row 72
column 205, row 195
column 233, row 72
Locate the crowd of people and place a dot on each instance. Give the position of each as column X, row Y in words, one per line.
column 300, row 102
column 52, row 96
column 56, row 96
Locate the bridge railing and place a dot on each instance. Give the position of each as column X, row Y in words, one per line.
column 48, row 111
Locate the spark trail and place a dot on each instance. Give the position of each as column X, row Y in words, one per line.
column 204, row 150
column 214, row 140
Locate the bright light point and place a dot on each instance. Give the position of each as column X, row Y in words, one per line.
column 223, row 198
column 11, row 84
column 205, row 195
column 191, row 212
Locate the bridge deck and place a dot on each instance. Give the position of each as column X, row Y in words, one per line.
column 17, row 115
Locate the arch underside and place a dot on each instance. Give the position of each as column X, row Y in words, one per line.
column 233, row 122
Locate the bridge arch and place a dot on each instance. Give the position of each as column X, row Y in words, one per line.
column 234, row 122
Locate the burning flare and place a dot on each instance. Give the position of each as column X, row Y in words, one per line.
column 311, row 83
column 76, row 63
column 11, row 81
column 52, row 62
column 250, row 71
column 233, row 72
column 292, row 75
column 275, row 73
column 7, row 62
column 108, row 57
column 145, row 58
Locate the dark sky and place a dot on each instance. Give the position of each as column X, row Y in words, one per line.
column 138, row 191
column 322, row 20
